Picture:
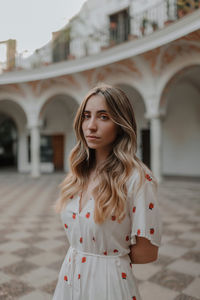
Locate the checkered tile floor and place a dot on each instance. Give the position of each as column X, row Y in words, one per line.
column 33, row 243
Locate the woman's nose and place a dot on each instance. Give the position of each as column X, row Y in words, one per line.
column 92, row 123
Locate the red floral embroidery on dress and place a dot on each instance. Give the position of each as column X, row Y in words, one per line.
column 65, row 278
column 134, row 209
column 138, row 232
column 151, row 205
column 133, row 298
column 81, row 239
column 115, row 251
column 148, row 177
column 72, row 197
column 87, row 215
column 113, row 218
column 105, row 253
column 151, row 230
column 83, row 259
column 123, row 275
column 127, row 238
column 74, row 215
column 79, row 276
column 66, row 226
column 69, row 259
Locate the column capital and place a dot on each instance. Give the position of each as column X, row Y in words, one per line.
column 154, row 115
column 34, row 124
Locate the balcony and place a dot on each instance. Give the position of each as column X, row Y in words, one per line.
column 142, row 32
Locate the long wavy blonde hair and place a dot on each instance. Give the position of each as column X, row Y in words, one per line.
column 113, row 173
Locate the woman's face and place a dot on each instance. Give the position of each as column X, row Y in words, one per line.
column 98, row 128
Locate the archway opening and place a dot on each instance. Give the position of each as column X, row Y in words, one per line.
column 56, row 133
column 8, row 142
column 181, row 124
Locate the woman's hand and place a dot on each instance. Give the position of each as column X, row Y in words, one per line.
column 143, row 251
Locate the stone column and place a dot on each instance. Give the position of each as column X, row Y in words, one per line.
column 35, row 151
column 22, row 159
column 155, row 140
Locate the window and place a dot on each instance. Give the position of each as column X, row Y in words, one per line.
column 120, row 26
column 61, row 45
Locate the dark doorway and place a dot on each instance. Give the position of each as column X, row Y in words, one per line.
column 58, row 151
column 146, row 149
column 8, row 142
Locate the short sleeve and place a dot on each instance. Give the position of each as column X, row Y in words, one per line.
column 145, row 211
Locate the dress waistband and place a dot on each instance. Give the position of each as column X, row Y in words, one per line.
column 77, row 251
column 70, row 260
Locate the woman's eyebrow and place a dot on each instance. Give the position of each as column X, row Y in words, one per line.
column 99, row 111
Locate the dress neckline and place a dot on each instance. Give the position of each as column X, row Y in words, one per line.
column 79, row 201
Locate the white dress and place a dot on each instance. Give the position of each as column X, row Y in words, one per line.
column 97, row 265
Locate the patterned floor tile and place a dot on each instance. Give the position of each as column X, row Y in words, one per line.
column 55, row 266
column 35, row 233
column 172, row 280
column 3, row 239
column 11, row 245
column 49, row 288
column 145, row 273
column 17, row 235
column 4, row 278
column 19, row 268
column 36, row 295
column 11, row 290
column 33, row 239
column 7, row 258
column 193, row 289
column 192, row 255
column 44, row 258
column 62, row 250
column 164, row 260
column 28, row 252
column 61, row 237
column 173, row 251
column 49, row 244
column 40, row 277
column 186, row 267
column 152, row 291
column 182, row 243
column 185, row 297
column 190, row 236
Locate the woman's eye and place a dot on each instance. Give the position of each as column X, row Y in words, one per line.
column 86, row 116
column 103, row 117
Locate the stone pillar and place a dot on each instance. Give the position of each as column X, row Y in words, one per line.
column 22, row 152
column 35, row 151
column 155, row 140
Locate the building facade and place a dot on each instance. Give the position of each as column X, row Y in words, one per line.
column 158, row 67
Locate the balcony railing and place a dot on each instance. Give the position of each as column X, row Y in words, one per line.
column 141, row 24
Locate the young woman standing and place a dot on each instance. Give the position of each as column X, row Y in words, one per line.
column 108, row 203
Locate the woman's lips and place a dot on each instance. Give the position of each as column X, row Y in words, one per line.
column 90, row 137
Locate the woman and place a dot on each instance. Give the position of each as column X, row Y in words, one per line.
column 108, row 203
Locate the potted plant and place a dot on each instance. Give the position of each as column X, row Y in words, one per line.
column 144, row 25
column 154, row 25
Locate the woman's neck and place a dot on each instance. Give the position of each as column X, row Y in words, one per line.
column 100, row 156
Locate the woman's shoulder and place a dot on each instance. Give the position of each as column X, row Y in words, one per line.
column 139, row 177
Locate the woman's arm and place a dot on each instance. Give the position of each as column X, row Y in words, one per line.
column 143, row 251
